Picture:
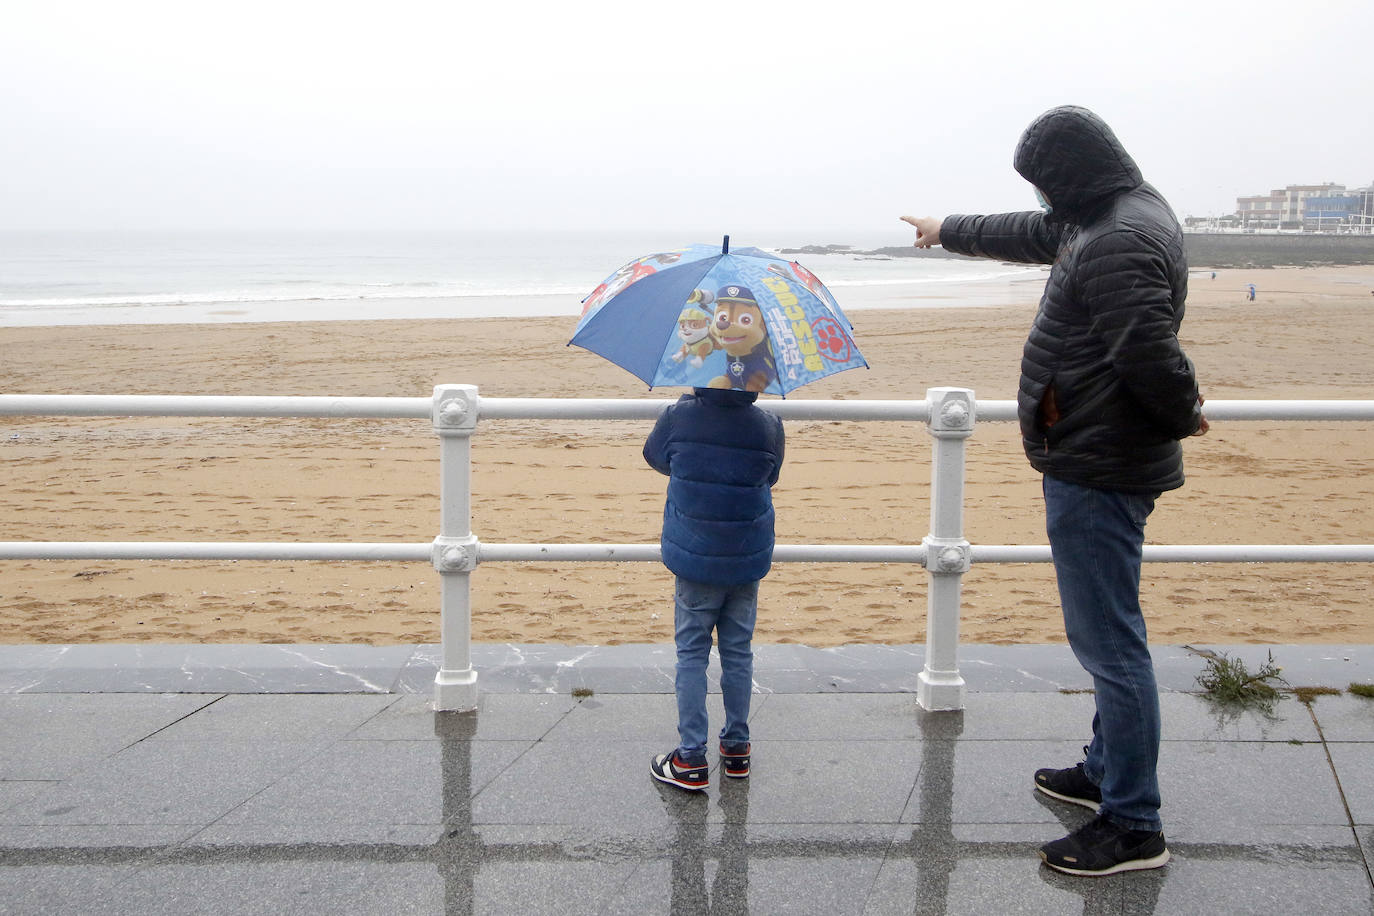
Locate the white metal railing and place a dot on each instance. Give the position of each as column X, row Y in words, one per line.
column 455, row 410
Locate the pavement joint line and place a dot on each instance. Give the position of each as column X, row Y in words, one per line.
column 1340, row 790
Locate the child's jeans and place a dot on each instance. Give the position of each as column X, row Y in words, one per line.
column 730, row 611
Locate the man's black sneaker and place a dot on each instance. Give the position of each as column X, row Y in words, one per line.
column 671, row 769
column 1100, row 847
column 1071, row 785
column 734, row 760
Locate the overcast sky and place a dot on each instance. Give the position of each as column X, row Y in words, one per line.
column 835, row 116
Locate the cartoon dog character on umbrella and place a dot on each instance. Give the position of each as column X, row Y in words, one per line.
column 694, row 330
column 738, row 329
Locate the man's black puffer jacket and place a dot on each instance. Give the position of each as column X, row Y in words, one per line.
column 1106, row 392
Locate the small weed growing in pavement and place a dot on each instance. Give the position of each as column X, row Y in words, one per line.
column 583, row 692
column 1309, row 694
column 1228, row 680
column 1363, row 690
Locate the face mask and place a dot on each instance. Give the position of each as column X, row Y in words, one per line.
column 1040, row 198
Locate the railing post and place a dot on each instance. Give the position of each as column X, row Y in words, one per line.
column 455, row 549
column 947, row 553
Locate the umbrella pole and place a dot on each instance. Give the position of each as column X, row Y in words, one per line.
column 940, row 686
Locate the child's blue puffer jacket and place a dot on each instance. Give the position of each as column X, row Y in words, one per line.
column 722, row 454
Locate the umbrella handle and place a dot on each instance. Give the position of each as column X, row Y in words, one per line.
column 725, row 246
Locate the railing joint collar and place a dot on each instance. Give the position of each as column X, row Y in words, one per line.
column 455, row 555
column 952, row 412
column 947, row 556
column 455, row 409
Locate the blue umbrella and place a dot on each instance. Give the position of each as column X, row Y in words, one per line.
column 708, row 317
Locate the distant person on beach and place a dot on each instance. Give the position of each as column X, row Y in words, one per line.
column 722, row 454
column 1251, row 295
column 1106, row 394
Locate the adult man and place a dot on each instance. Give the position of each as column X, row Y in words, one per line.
column 1106, row 394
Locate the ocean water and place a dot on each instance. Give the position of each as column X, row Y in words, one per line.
column 66, row 278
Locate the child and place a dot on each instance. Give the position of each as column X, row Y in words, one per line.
column 721, row 454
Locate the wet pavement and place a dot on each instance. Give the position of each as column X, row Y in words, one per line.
column 284, row 779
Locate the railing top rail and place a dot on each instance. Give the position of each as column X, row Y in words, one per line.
column 650, row 408
column 142, row 405
column 1315, row 409
column 1271, row 409
column 214, row 550
column 901, row 410
column 620, row 553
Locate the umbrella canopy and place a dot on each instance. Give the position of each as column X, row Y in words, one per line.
column 708, row 317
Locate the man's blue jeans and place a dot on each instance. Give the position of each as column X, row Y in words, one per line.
column 1097, row 537
column 730, row 611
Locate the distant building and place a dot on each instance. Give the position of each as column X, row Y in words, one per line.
column 1308, row 208
column 1264, row 212
column 1352, row 211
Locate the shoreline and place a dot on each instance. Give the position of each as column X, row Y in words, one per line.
column 936, row 293
column 954, row 292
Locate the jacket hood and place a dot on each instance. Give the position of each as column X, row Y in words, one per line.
column 726, row 397
column 1075, row 160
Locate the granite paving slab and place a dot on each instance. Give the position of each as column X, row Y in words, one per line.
column 498, row 717
column 179, row 668
column 49, row 736
column 557, row 669
column 1354, row 762
column 167, row 782
column 1345, row 718
column 278, row 717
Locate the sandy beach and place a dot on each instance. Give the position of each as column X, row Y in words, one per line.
column 1310, row 334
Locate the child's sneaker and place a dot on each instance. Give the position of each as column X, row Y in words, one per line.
column 670, row 768
column 734, row 760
